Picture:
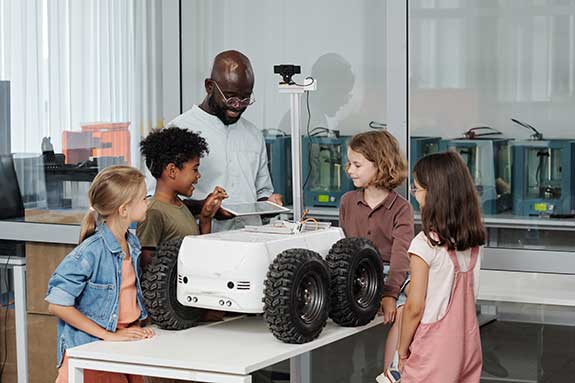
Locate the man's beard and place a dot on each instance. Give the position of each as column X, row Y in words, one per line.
column 220, row 112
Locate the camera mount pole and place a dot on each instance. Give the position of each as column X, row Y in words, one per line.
column 295, row 91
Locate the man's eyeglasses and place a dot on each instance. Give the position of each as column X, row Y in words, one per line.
column 235, row 102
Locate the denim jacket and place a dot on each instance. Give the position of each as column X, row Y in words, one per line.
column 89, row 279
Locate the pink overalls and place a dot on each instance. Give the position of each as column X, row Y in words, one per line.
column 449, row 350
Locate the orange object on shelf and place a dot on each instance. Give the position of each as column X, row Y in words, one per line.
column 77, row 146
column 113, row 137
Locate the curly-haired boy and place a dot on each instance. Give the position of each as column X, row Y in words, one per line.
column 173, row 157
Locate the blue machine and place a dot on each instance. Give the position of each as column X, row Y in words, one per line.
column 489, row 162
column 420, row 146
column 325, row 179
column 544, row 177
column 279, row 164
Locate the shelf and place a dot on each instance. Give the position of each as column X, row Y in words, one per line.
column 509, row 221
column 503, row 221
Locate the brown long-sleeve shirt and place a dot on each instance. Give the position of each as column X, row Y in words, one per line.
column 389, row 226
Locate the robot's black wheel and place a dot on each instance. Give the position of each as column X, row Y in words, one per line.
column 159, row 283
column 356, row 272
column 296, row 296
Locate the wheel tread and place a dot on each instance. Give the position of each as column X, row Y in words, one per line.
column 277, row 289
column 155, row 288
column 339, row 260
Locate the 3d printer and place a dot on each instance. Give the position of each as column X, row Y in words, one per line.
column 489, row 161
column 543, row 175
column 420, row 146
column 324, row 160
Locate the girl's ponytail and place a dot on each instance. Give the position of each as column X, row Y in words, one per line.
column 89, row 223
column 110, row 189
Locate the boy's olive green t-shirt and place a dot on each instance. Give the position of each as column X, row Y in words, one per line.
column 165, row 222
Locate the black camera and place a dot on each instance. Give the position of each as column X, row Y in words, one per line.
column 287, row 71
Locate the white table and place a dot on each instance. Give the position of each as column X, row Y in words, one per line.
column 224, row 352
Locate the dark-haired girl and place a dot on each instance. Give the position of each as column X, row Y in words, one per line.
column 439, row 339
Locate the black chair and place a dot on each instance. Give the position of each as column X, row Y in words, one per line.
column 11, row 204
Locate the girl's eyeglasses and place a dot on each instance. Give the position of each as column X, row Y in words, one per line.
column 413, row 189
column 235, row 102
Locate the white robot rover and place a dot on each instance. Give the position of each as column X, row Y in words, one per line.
column 296, row 278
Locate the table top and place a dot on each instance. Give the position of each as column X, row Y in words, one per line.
column 51, row 226
column 238, row 346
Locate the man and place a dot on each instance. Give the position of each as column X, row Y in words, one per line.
column 237, row 160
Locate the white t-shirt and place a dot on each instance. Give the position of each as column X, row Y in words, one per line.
column 237, row 162
column 441, row 275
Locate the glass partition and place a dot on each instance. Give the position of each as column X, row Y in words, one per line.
column 494, row 81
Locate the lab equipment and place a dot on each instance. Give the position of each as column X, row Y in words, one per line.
column 324, row 160
column 421, row 146
column 489, row 162
column 543, row 177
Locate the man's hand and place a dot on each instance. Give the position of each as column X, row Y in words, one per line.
column 278, row 199
column 213, row 202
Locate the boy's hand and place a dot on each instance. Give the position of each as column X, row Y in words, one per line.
column 223, row 214
column 388, row 309
column 213, row 202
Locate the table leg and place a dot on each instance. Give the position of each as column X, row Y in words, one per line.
column 300, row 368
column 487, row 314
column 75, row 372
column 19, row 273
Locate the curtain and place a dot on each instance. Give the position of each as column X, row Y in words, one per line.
column 21, row 62
column 81, row 61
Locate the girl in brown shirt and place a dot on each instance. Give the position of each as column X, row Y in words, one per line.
column 375, row 211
